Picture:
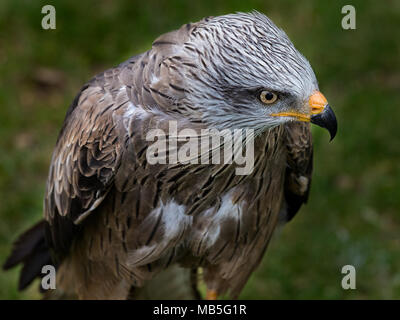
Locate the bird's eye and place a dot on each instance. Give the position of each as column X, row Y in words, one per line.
column 268, row 97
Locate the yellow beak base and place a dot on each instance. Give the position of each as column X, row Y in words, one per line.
column 316, row 102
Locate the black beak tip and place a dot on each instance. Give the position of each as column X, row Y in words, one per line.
column 326, row 119
column 333, row 133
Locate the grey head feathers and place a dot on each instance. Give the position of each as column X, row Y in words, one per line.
column 214, row 68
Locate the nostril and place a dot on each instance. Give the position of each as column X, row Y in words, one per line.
column 317, row 109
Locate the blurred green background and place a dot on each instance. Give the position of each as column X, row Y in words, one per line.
column 353, row 213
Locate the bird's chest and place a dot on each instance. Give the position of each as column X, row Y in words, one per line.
column 209, row 211
column 239, row 218
column 242, row 213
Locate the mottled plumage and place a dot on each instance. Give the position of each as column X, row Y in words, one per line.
column 114, row 221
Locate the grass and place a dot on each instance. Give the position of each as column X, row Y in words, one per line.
column 353, row 213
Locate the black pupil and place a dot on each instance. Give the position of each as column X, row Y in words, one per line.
column 269, row 96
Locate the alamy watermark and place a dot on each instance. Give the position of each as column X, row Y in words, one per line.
column 49, row 20
column 49, row 277
column 349, row 280
column 205, row 146
column 349, row 20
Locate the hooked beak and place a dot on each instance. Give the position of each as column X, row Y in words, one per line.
column 321, row 114
column 326, row 119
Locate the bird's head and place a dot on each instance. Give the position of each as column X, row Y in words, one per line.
column 242, row 71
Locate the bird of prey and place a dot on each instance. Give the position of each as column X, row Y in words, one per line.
column 113, row 222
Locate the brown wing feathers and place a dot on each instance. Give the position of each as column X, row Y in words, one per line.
column 299, row 167
column 86, row 156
